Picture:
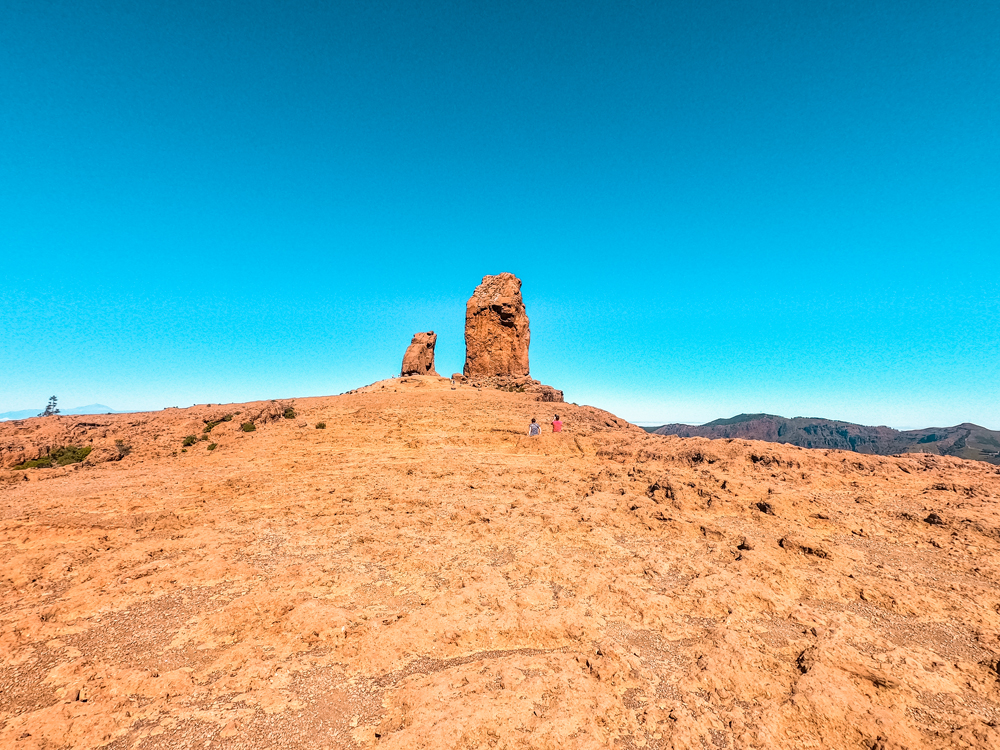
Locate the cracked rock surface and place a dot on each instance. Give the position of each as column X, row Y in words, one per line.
column 422, row 574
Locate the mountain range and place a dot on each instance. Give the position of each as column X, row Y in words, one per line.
column 89, row 409
column 965, row 440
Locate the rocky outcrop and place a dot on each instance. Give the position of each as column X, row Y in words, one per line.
column 497, row 337
column 419, row 357
column 496, row 329
column 539, row 391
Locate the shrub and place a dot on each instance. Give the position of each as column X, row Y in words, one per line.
column 204, row 437
column 210, row 425
column 70, row 454
column 289, row 413
column 321, row 425
column 189, row 440
column 45, row 462
column 248, row 427
column 213, row 446
column 67, row 454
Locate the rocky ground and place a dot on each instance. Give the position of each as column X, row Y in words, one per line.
column 421, row 574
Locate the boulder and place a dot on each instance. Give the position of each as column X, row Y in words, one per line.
column 419, row 357
column 496, row 329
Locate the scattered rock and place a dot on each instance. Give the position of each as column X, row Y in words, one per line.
column 527, row 385
column 795, row 543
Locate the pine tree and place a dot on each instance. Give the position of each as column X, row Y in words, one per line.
column 50, row 409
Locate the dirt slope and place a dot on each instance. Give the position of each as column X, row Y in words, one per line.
column 420, row 574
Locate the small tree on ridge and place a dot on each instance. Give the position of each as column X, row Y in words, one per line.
column 50, row 408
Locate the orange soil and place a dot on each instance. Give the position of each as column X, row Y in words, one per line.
column 422, row 574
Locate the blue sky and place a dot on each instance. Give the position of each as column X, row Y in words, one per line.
column 715, row 207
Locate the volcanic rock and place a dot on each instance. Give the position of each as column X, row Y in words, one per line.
column 422, row 574
column 539, row 391
column 419, row 357
column 496, row 329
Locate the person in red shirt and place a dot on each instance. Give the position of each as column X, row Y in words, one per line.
column 556, row 424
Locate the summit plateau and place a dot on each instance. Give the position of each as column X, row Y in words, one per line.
column 422, row 574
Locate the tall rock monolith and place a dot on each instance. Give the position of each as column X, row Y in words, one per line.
column 496, row 329
column 419, row 357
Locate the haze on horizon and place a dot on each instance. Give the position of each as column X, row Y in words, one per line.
column 734, row 207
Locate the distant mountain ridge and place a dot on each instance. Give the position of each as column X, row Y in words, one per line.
column 89, row 409
column 966, row 440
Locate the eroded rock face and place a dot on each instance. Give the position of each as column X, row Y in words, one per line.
column 419, row 357
column 539, row 391
column 496, row 329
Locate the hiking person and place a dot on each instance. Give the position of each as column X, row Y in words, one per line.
column 534, row 428
column 556, row 424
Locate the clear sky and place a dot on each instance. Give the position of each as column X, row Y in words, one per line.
column 716, row 207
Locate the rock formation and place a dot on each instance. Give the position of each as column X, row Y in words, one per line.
column 496, row 329
column 539, row 391
column 419, row 357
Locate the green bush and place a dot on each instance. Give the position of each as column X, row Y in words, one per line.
column 213, row 446
column 210, row 425
column 67, row 454
column 45, row 462
column 189, row 440
column 70, row 454
column 248, row 427
column 321, row 425
column 289, row 413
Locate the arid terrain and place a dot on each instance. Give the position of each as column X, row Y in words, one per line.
column 421, row 574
